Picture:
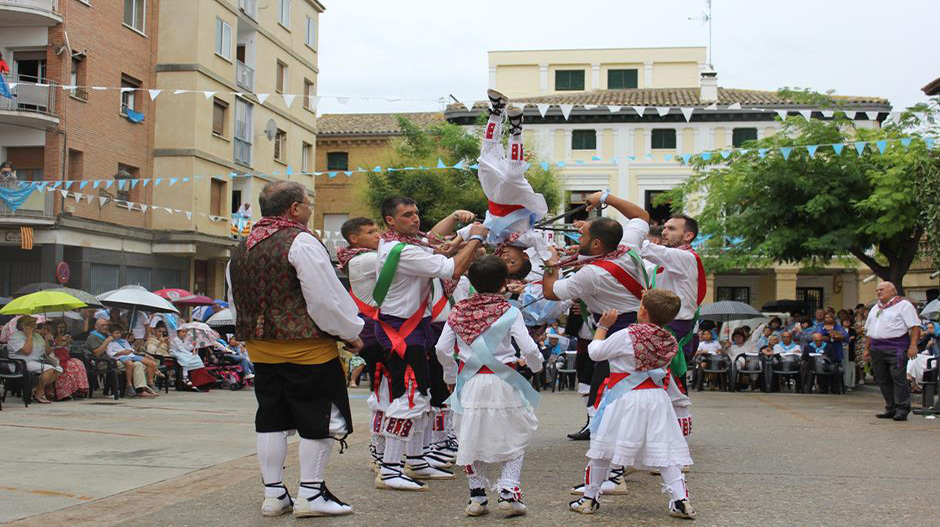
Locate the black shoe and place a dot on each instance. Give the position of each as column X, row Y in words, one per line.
column 515, row 120
column 885, row 415
column 582, row 435
column 900, row 417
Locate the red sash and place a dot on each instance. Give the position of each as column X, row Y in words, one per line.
column 622, row 276
column 397, row 337
column 702, row 285
column 486, row 369
column 616, row 377
column 498, row 209
column 380, row 372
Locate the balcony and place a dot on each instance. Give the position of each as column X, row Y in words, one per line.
column 244, row 76
column 29, row 13
column 33, row 102
column 249, row 7
column 36, row 210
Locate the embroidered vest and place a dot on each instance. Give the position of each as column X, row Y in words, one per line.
column 269, row 301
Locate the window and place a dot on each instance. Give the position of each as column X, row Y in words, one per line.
column 134, row 14
column 664, row 139
column 738, row 294
column 216, row 197
column 223, row 39
column 576, row 201
column 811, row 297
column 306, row 160
column 308, row 91
column 739, row 136
column 129, row 87
column 281, row 78
column 311, row 33
column 283, row 13
column 103, row 278
column 280, row 146
column 621, row 79
column 77, row 78
column 243, row 131
column 567, row 80
column 125, row 172
column 584, row 140
column 337, row 161
column 219, row 116
column 236, row 200
column 76, row 164
column 659, row 214
column 137, row 276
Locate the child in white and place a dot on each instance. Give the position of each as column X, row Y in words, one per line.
column 494, row 406
column 636, row 425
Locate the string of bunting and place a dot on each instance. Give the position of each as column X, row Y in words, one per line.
column 860, row 147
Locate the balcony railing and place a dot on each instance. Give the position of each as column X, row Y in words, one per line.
column 39, row 205
column 249, row 7
column 244, row 76
column 29, row 94
column 51, row 6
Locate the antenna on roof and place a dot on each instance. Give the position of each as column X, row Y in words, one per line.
column 706, row 18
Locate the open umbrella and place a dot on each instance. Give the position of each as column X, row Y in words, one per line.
column 34, row 287
column 135, row 297
column 931, row 310
column 84, row 296
column 787, row 306
column 41, row 302
column 194, row 300
column 222, row 319
column 203, row 335
column 726, row 310
column 173, row 294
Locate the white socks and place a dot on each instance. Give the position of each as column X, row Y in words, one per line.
column 511, row 474
column 674, row 482
column 314, row 454
column 595, row 475
column 476, row 476
column 272, row 452
column 394, row 449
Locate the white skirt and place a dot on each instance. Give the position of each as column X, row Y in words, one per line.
column 640, row 429
column 496, row 424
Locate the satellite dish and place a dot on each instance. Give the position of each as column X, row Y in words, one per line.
column 270, row 129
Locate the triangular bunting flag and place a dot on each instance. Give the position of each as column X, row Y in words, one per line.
column 189, row 215
column 882, row 145
column 838, row 148
column 82, row 184
column 687, row 113
column 686, row 158
column 78, row 196
column 108, row 183
column 177, row 92
column 459, row 165
column 332, row 175
column 134, row 183
column 125, row 89
column 95, row 183
column 639, row 110
column 735, row 106
column 440, row 163
column 807, row 114
column 860, row 147
column 144, row 182
column 828, row 114
column 173, row 180
column 667, row 157
column 68, row 184
column 313, row 101
column 157, row 181
column 544, row 165
column 595, row 158
column 289, row 99
column 613, row 108
column 143, row 207
column 906, row 142
column 786, row 150
column 560, row 164
column 782, row 114
column 706, row 155
column 812, row 150
column 872, row 116
column 168, row 210
column 566, row 109
column 208, row 94
column 726, row 154
column 543, row 108
column 64, row 193
column 153, row 94
column 469, row 106
column 850, row 114
column 712, row 106
column 102, row 200
column 663, row 110
column 263, row 97
column 348, row 173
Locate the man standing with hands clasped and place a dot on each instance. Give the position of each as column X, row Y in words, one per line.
column 892, row 330
column 290, row 309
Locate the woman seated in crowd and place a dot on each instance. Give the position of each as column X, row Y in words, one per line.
column 72, row 382
column 27, row 344
column 928, row 347
column 158, row 343
column 122, row 351
column 236, row 353
column 195, row 376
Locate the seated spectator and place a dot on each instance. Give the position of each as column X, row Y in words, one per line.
column 195, row 376
column 787, row 346
column 820, row 347
column 72, row 382
column 764, row 331
column 96, row 346
column 706, row 347
column 928, row 349
column 122, row 351
column 158, row 343
column 26, row 343
column 236, row 352
column 776, row 325
column 739, row 344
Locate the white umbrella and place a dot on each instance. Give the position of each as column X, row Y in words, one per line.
column 726, row 310
column 135, row 297
column 931, row 310
column 221, row 319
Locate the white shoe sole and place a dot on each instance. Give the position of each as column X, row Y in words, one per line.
column 273, row 514
column 411, row 474
column 379, row 484
column 507, row 508
column 482, row 512
column 311, row 514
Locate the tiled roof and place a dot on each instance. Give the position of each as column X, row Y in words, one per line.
column 680, row 97
column 372, row 123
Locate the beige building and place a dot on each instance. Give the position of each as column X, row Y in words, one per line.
column 253, row 67
column 633, row 112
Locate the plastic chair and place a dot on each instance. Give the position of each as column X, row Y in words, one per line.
column 929, row 389
column 15, row 370
column 786, row 368
column 566, row 376
column 820, row 367
column 747, row 365
column 719, row 365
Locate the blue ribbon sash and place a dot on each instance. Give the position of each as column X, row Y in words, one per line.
column 623, row 387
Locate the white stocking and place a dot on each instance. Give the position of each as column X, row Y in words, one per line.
column 314, row 455
column 476, row 475
column 272, row 452
column 415, row 445
column 511, row 473
column 674, row 482
column 439, row 428
column 394, row 448
column 595, row 474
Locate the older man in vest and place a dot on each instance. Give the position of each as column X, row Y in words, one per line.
column 290, row 310
column 892, row 331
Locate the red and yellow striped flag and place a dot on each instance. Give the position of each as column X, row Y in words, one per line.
column 26, row 238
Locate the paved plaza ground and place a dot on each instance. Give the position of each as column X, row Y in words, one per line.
column 186, row 459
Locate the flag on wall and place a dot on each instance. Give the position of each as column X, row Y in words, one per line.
column 26, row 238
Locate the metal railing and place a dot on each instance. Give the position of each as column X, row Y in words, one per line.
column 51, row 6
column 244, row 76
column 30, row 94
column 37, row 205
column 249, row 7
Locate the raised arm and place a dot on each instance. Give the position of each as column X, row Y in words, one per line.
column 629, row 209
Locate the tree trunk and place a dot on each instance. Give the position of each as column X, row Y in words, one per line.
column 900, row 254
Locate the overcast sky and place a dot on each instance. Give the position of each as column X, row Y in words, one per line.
column 430, row 48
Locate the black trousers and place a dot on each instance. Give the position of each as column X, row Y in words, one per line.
column 891, row 377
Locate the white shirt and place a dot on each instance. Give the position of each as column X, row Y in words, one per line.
column 792, row 349
column 680, row 275
column 411, row 284
column 461, row 292
column 893, row 322
column 504, row 352
column 328, row 304
column 598, row 288
column 504, row 182
column 117, row 346
column 141, row 321
column 712, row 347
column 616, row 348
column 362, row 277
column 534, row 242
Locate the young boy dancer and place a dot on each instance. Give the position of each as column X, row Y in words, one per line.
column 635, row 425
column 494, row 404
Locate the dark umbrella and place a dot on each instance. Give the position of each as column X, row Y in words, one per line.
column 787, row 306
column 32, row 288
column 727, row 310
column 84, row 296
column 4, row 301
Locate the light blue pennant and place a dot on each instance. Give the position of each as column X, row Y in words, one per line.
column 332, row 175
column 906, row 142
column 173, row 180
column 144, row 182
column 762, row 152
column 560, row 164
column 786, row 151
column 706, row 156
column 812, row 150
column 134, row 183
column 544, row 165
column 882, row 145
column 290, row 170
column 377, row 169
column 667, row 157
column 929, row 142
column 348, row 173
column 838, row 148
column 474, row 166
column 686, row 158
column 157, row 181
column 95, row 183
column 440, row 163
column 726, row 154
column 595, row 158
column 459, row 165
column 109, row 183
column 68, row 184
column 82, row 185
column 482, row 347
column 860, row 147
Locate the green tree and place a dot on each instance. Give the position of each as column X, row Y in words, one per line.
column 757, row 208
column 439, row 192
